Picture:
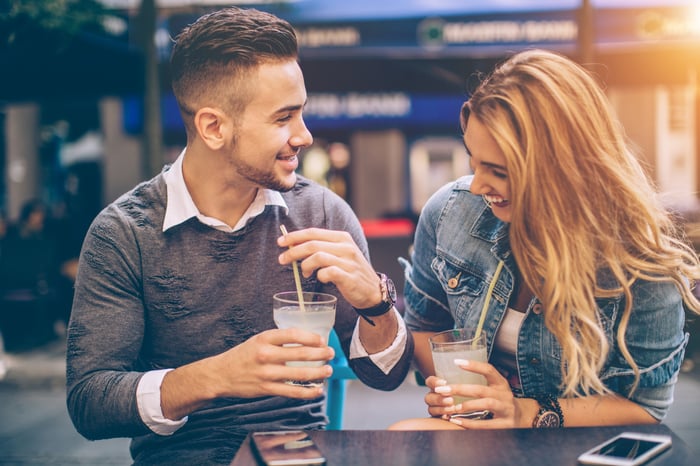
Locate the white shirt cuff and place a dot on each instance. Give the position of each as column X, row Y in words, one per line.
column 148, row 402
column 385, row 359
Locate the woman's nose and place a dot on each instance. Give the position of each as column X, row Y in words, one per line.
column 477, row 185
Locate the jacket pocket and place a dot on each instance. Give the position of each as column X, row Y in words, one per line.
column 465, row 289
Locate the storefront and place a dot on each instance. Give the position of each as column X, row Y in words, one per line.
column 386, row 84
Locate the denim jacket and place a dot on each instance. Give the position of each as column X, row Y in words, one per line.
column 458, row 245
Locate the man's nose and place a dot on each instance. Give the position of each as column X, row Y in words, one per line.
column 302, row 136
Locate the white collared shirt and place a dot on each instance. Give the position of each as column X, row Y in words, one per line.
column 180, row 207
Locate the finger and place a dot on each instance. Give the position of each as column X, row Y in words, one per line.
column 291, row 368
column 440, row 404
column 435, row 399
column 471, row 391
column 493, row 377
column 445, row 410
column 279, row 337
column 306, row 354
column 433, row 381
column 304, row 373
column 303, row 250
column 333, row 265
column 293, row 238
column 316, row 255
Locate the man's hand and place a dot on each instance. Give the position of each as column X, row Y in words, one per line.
column 336, row 259
column 252, row 369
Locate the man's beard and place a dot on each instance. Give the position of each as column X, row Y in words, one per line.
column 266, row 180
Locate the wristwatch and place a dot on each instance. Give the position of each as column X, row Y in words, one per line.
column 388, row 290
column 550, row 414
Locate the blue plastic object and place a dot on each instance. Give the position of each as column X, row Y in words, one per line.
column 337, row 385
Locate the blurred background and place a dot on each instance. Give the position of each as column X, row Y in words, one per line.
column 86, row 111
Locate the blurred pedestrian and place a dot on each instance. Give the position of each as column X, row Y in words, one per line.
column 3, row 232
column 28, row 275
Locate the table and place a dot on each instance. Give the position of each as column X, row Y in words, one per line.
column 556, row 447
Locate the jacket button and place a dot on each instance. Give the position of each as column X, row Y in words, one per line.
column 537, row 308
column 534, row 361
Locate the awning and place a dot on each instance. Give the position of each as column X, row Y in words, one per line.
column 373, row 64
column 86, row 66
column 419, row 46
column 455, row 28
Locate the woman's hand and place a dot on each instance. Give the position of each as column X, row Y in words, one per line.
column 495, row 397
column 508, row 411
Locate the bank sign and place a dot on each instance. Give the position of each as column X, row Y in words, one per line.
column 437, row 33
column 475, row 35
column 381, row 110
column 352, row 110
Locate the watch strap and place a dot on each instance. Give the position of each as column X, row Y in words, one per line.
column 388, row 292
column 375, row 311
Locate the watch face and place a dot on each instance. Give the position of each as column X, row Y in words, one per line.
column 391, row 290
column 548, row 419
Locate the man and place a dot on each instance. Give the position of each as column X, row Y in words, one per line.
column 171, row 339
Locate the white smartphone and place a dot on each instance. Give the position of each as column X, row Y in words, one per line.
column 286, row 448
column 626, row 449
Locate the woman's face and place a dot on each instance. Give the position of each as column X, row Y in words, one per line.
column 489, row 167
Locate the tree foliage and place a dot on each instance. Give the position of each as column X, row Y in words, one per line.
column 27, row 24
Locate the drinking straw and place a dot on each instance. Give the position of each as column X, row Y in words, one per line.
column 297, row 280
column 482, row 317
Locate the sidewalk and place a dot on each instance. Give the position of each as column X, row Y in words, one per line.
column 42, row 367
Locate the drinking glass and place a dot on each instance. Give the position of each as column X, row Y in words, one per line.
column 318, row 316
column 458, row 344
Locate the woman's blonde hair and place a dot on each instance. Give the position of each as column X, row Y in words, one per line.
column 582, row 206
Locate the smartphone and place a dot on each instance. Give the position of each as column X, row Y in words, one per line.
column 626, row 449
column 286, row 447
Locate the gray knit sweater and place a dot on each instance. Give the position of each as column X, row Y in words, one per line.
column 147, row 299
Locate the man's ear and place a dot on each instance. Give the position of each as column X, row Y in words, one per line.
column 212, row 125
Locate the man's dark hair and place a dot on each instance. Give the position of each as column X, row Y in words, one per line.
column 219, row 48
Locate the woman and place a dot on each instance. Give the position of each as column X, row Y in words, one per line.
column 588, row 274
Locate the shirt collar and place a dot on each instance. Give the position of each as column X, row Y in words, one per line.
column 180, row 207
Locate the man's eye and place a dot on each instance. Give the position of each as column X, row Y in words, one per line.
column 501, row 175
column 285, row 118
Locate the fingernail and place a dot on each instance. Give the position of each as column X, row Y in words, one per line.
column 455, row 420
column 443, row 389
column 461, row 362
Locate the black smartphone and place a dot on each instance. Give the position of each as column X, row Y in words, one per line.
column 626, row 449
column 286, row 447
